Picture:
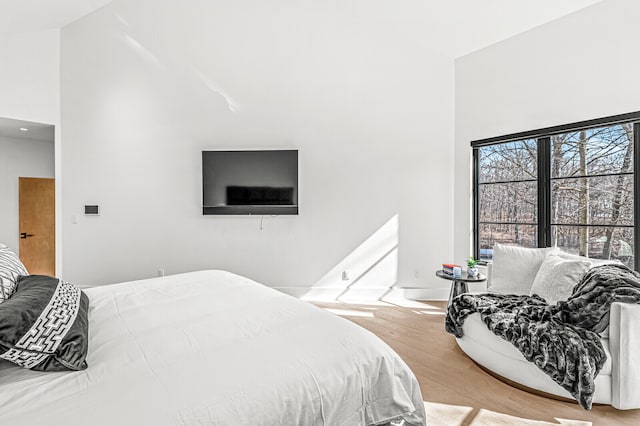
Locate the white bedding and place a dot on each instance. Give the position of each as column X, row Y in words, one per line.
column 214, row 348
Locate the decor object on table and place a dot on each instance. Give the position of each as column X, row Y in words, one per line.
column 448, row 268
column 472, row 271
column 457, row 272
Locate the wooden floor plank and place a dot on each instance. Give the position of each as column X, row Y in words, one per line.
column 455, row 390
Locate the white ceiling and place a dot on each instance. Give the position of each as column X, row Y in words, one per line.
column 469, row 25
column 457, row 27
column 35, row 131
column 21, row 16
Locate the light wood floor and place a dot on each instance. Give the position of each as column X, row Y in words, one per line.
column 455, row 390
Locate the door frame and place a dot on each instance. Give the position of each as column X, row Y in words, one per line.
column 57, row 152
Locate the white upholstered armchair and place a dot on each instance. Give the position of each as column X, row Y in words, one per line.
column 514, row 271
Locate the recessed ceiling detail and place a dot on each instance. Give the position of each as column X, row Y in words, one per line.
column 19, row 129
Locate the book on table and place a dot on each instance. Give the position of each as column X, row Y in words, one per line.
column 447, row 268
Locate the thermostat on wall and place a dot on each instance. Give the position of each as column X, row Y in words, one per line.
column 93, row 210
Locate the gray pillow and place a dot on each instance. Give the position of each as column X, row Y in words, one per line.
column 10, row 269
column 44, row 325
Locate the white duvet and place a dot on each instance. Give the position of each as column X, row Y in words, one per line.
column 214, row 348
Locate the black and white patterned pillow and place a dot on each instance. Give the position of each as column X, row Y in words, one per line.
column 10, row 269
column 44, row 325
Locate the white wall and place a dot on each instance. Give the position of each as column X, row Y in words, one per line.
column 30, row 76
column 580, row 67
column 30, row 91
column 146, row 85
column 19, row 158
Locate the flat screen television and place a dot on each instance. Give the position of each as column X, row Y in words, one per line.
column 250, row 182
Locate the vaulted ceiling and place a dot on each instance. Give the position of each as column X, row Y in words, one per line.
column 457, row 27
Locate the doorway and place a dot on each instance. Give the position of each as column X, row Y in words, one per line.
column 27, row 150
column 37, row 211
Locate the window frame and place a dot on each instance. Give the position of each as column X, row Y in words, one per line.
column 543, row 137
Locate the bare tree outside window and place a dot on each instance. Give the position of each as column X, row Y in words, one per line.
column 592, row 193
column 508, row 174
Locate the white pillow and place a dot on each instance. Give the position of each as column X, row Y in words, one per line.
column 515, row 268
column 10, row 268
column 557, row 277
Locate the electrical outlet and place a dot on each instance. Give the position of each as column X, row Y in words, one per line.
column 416, row 274
column 345, row 276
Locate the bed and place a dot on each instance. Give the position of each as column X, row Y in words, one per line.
column 215, row 348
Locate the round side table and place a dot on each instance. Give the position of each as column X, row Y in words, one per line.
column 459, row 284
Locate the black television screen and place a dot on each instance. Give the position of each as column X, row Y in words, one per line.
column 250, row 182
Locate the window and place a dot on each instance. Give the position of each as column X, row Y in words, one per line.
column 571, row 186
column 508, row 194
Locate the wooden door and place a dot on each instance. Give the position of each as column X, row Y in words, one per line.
column 37, row 225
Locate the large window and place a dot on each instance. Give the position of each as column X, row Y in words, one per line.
column 571, row 186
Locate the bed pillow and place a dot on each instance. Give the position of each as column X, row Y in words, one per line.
column 515, row 268
column 557, row 277
column 44, row 325
column 10, row 269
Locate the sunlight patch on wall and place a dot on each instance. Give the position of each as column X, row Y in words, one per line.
column 142, row 51
column 121, row 19
column 367, row 273
column 363, row 257
column 232, row 104
column 375, row 282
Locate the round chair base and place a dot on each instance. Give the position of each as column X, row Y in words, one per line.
column 527, row 389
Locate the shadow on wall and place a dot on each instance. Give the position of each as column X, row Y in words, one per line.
column 368, row 273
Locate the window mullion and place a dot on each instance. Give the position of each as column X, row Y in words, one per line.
column 544, row 192
column 476, row 204
column 636, row 195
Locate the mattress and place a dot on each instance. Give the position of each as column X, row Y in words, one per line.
column 214, row 348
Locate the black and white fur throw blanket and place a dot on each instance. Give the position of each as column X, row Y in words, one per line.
column 562, row 339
